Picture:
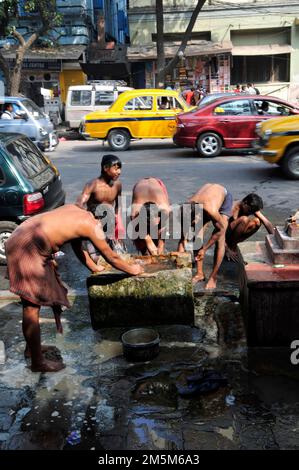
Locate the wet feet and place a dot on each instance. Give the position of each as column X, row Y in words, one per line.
column 47, row 366
column 211, row 284
column 198, row 278
column 45, row 349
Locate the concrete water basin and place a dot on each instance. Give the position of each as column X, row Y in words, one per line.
column 162, row 295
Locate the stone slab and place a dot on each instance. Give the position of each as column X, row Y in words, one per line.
column 285, row 241
column 280, row 255
column 158, row 298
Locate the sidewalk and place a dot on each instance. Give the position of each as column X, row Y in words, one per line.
column 112, row 404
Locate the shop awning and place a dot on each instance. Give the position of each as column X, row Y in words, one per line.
column 114, row 71
column 47, row 53
column 262, row 50
column 194, row 48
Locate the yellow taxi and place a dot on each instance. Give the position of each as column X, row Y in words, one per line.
column 136, row 114
column 278, row 142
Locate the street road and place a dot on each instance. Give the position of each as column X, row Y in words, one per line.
column 182, row 172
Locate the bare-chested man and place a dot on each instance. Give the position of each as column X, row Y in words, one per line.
column 32, row 270
column 217, row 204
column 232, row 223
column 104, row 190
column 150, row 198
column 246, row 219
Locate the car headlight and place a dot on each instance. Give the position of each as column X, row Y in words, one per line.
column 268, row 132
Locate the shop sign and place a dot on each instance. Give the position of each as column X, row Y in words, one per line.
column 31, row 64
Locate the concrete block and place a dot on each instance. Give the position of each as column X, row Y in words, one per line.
column 162, row 296
column 280, row 255
column 269, row 297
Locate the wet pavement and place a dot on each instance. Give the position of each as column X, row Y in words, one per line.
column 101, row 401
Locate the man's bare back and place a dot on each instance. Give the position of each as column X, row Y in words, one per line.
column 77, row 223
column 149, row 190
column 211, row 196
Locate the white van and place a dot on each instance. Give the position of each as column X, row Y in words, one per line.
column 96, row 95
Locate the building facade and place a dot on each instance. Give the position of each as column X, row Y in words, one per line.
column 57, row 61
column 236, row 41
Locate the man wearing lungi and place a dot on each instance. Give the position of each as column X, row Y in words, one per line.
column 32, row 269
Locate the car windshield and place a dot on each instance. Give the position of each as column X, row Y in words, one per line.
column 33, row 109
column 208, row 100
column 26, row 157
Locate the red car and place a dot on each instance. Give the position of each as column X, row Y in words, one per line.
column 227, row 122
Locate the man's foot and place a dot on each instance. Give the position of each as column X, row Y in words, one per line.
column 198, row 278
column 45, row 348
column 47, row 366
column 211, row 284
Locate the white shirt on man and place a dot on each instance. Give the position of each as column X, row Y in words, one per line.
column 7, row 115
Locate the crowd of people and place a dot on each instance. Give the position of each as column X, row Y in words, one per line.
column 31, row 248
column 248, row 89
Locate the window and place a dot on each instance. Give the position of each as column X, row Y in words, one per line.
column 177, row 105
column 33, row 109
column 144, row 103
column 104, row 98
column 271, row 108
column 164, row 102
column 261, row 69
column 233, row 108
column 27, row 157
column 81, row 98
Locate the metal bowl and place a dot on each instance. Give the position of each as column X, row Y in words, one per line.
column 140, row 344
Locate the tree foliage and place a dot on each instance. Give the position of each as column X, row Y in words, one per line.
column 11, row 11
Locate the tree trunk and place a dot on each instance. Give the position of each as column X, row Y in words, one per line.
column 20, row 54
column 16, row 72
column 160, row 76
column 170, row 66
column 5, row 69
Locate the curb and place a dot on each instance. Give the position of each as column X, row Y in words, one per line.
column 72, row 294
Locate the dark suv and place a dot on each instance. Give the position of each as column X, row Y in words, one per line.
column 29, row 184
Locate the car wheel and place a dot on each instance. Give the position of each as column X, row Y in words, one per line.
column 6, row 229
column 119, row 139
column 290, row 164
column 209, row 144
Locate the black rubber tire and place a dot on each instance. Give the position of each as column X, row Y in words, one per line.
column 209, row 144
column 119, row 139
column 290, row 164
column 6, row 228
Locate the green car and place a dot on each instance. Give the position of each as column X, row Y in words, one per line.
column 29, row 184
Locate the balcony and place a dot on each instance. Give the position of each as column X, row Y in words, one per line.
column 73, row 7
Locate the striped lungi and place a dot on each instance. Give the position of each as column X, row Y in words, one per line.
column 31, row 268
